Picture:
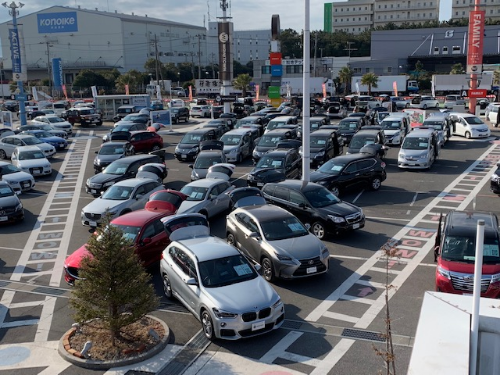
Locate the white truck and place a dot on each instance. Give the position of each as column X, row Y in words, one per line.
column 295, row 86
column 386, row 85
column 457, row 83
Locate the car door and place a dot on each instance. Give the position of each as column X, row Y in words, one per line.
column 7, row 145
column 138, row 141
column 365, row 172
column 181, row 266
column 152, row 242
column 221, row 202
column 298, row 206
column 292, row 165
column 250, row 243
column 349, row 178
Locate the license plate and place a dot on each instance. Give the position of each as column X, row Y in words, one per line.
column 355, row 226
column 312, row 270
column 61, row 145
column 93, row 191
column 26, row 185
column 260, row 184
column 92, row 223
column 183, row 156
column 258, row 325
column 3, row 218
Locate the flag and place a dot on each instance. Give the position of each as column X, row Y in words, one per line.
column 357, row 89
column 35, row 93
column 257, row 88
column 127, row 92
column 158, row 92
column 437, row 242
column 65, row 92
column 395, row 88
column 190, row 93
column 432, row 89
column 324, row 90
column 94, row 91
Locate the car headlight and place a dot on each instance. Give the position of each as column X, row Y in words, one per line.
column 424, row 156
column 195, row 175
column 221, row 314
column 234, row 151
column 325, row 253
column 19, row 207
column 401, row 155
column 88, row 182
column 444, row 272
column 195, row 149
column 112, row 213
column 336, row 219
column 251, row 177
column 396, row 135
column 494, row 177
column 277, row 303
column 97, row 162
column 320, row 154
column 108, row 184
column 322, row 182
column 283, row 257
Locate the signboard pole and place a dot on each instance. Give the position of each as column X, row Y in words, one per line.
column 15, row 48
column 475, row 49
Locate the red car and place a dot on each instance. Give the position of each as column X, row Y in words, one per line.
column 143, row 227
column 146, row 141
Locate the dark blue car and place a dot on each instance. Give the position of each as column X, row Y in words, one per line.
column 58, row 142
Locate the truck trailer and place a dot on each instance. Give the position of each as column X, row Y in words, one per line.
column 386, row 85
column 445, row 84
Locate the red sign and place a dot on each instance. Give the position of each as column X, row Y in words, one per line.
column 275, row 58
column 475, row 44
column 477, row 93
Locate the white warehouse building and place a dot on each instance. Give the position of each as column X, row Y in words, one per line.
column 93, row 39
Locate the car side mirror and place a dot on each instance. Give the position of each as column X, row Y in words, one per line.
column 146, row 241
column 191, row 281
column 139, row 196
column 96, row 152
column 254, row 235
column 257, row 267
column 190, row 166
column 302, row 205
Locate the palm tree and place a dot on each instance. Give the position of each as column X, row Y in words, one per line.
column 345, row 76
column 242, row 82
column 370, row 80
column 457, row 69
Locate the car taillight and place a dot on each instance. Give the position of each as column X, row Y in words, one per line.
column 382, row 164
column 162, row 255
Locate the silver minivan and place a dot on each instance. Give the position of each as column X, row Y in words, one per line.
column 469, row 126
column 419, row 149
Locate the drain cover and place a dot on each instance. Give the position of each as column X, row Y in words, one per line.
column 363, row 335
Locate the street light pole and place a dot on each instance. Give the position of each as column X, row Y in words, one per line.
column 15, row 47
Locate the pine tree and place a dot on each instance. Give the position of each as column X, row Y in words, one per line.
column 114, row 287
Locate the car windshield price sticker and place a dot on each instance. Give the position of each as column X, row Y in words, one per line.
column 243, row 269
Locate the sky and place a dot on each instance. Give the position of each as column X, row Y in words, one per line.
column 246, row 15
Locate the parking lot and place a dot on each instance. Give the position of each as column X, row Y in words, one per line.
column 332, row 320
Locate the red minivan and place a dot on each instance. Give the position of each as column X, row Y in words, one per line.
column 455, row 254
column 143, row 227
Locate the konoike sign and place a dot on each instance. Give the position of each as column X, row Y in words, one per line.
column 63, row 22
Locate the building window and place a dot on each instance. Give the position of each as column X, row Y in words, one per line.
column 389, row 69
column 436, row 50
column 445, row 50
column 266, row 69
column 456, row 49
column 367, row 70
column 397, row 16
column 430, row 15
column 391, row 16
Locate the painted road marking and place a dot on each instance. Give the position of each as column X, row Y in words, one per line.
column 413, row 253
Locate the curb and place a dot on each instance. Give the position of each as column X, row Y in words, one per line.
column 77, row 359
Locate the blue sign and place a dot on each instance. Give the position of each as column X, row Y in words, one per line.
column 57, row 73
column 64, row 22
column 15, row 50
column 21, row 97
column 276, row 70
column 162, row 117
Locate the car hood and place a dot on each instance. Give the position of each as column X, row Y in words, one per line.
column 217, row 176
column 299, row 247
column 107, row 158
column 264, row 148
column 186, row 146
column 34, row 163
column 268, row 174
column 99, row 205
column 53, row 139
column 190, row 206
column 315, row 150
column 228, row 149
column 235, row 297
column 17, row 177
column 10, row 201
column 102, row 178
column 200, row 172
column 390, row 133
column 341, row 209
column 320, row 176
column 74, row 260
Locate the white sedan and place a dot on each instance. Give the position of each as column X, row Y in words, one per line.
column 54, row 121
column 424, row 102
column 30, row 159
column 10, row 143
column 200, row 110
column 18, row 180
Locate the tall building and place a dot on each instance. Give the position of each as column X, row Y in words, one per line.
column 461, row 8
column 356, row 16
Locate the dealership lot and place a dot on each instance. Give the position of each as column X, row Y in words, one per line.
column 330, row 319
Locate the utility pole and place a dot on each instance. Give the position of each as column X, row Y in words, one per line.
column 315, row 50
column 350, row 49
column 199, row 56
column 156, row 60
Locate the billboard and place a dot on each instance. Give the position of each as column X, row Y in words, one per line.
column 62, row 22
column 15, row 50
column 475, row 43
column 225, row 55
column 57, row 73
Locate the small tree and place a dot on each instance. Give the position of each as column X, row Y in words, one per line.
column 114, row 287
column 370, row 80
column 345, row 76
column 457, row 69
column 242, row 82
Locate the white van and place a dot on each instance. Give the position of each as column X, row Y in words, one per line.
column 395, row 129
column 469, row 126
column 177, row 103
column 419, row 149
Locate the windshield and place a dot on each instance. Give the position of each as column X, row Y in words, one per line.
column 191, row 139
column 129, row 232
column 29, row 155
column 43, row 135
column 473, row 120
column 332, row 167
column 55, row 119
column 269, row 140
column 194, row 193
column 122, row 128
column 8, row 169
column 112, row 150
column 270, row 162
column 205, row 162
column 318, row 141
column 348, row 125
column 390, row 125
column 32, row 141
column 230, row 270
column 415, row 143
column 6, row 191
column 118, row 193
column 321, row 197
column 289, row 227
column 438, row 125
column 360, row 141
column 231, row 140
column 463, row 249
column 275, row 124
column 116, row 168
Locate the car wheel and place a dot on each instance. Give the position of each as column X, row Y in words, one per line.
column 156, row 148
column 207, row 325
column 230, row 239
column 467, row 135
column 99, row 123
column 167, row 287
column 376, row 183
column 3, row 155
column 425, row 106
column 335, row 190
column 239, row 159
column 318, row 229
column 267, row 269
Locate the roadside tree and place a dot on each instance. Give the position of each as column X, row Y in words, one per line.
column 242, row 83
column 370, row 80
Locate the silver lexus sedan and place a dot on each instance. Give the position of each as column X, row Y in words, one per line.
column 278, row 241
column 218, row 284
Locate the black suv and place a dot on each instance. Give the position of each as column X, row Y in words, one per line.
column 324, row 144
column 274, row 166
column 313, row 204
column 179, row 113
column 189, row 146
column 350, row 172
column 372, row 139
column 350, row 126
column 269, row 141
column 121, row 169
